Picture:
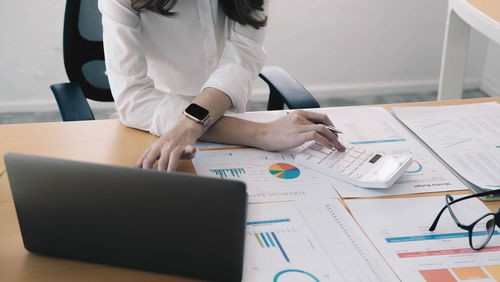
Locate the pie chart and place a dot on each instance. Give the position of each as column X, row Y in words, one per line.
column 284, row 171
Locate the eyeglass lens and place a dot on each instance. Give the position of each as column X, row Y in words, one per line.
column 482, row 231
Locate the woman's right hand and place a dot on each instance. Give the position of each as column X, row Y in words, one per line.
column 295, row 129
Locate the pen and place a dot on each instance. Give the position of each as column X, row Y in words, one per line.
column 332, row 129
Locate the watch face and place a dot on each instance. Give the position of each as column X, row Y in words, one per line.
column 196, row 111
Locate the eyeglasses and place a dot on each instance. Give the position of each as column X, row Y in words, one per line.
column 481, row 230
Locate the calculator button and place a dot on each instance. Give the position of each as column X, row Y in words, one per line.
column 325, row 150
column 359, row 150
column 358, row 162
column 348, row 171
column 302, row 157
column 336, row 155
column 349, row 159
column 341, row 165
column 353, row 166
column 325, row 163
column 354, row 154
column 366, row 155
column 316, row 146
column 329, row 163
column 315, row 160
column 315, row 153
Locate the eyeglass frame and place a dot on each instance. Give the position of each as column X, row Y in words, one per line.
column 470, row 227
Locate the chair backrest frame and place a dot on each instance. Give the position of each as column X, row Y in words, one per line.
column 79, row 51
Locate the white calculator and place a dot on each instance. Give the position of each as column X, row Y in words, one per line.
column 356, row 165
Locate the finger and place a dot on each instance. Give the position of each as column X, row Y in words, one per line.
column 189, row 153
column 151, row 158
column 313, row 135
column 163, row 161
column 316, row 117
column 297, row 117
column 332, row 137
column 175, row 155
column 139, row 162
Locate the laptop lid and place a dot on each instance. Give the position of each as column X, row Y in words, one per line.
column 164, row 222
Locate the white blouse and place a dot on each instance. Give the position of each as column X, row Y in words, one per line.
column 156, row 65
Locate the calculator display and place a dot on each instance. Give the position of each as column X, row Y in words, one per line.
column 375, row 158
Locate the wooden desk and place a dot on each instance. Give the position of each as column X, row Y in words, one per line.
column 491, row 8
column 106, row 142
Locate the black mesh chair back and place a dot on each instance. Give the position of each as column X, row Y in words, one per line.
column 83, row 49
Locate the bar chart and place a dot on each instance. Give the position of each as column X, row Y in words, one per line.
column 308, row 241
column 228, row 172
column 270, row 240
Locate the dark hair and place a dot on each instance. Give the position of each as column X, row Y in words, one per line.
column 241, row 11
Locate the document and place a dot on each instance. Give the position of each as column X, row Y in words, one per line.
column 466, row 137
column 370, row 127
column 375, row 129
column 399, row 230
column 269, row 176
column 309, row 241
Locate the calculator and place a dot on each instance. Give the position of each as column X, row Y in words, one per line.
column 356, row 165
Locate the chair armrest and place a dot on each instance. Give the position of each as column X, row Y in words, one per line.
column 72, row 103
column 284, row 89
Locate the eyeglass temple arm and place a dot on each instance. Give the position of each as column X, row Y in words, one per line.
column 434, row 224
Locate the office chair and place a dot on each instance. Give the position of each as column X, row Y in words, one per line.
column 84, row 63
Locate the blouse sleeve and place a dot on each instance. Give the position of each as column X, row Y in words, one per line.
column 242, row 59
column 140, row 105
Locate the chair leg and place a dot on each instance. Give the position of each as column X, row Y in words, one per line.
column 456, row 45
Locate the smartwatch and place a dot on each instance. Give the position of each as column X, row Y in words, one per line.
column 198, row 114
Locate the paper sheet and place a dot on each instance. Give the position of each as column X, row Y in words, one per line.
column 399, row 230
column 309, row 241
column 269, row 176
column 467, row 137
column 375, row 129
column 370, row 127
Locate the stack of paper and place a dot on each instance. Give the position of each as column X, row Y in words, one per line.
column 466, row 137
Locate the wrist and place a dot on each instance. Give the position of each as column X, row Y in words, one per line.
column 185, row 125
column 260, row 134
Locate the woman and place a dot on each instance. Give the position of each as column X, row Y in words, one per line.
column 163, row 55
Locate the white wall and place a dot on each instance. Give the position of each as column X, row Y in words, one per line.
column 348, row 47
column 30, row 53
column 337, row 47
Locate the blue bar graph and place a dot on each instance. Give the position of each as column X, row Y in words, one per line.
column 228, row 172
column 281, row 247
column 436, row 236
column 268, row 221
column 378, row 141
column 270, row 240
column 264, row 239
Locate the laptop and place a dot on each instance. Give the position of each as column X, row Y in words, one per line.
column 171, row 223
